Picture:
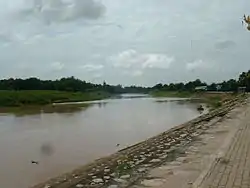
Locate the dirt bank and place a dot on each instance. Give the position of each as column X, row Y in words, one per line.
column 128, row 166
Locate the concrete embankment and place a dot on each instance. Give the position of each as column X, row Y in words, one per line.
column 129, row 165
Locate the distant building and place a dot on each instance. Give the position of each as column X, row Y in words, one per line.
column 242, row 89
column 201, row 88
column 218, row 87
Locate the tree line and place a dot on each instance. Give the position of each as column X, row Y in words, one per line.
column 70, row 84
column 231, row 85
column 73, row 84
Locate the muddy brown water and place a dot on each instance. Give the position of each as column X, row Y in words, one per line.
column 60, row 142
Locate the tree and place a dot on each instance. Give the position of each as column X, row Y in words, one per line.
column 76, row 85
column 158, row 86
column 230, row 85
column 246, row 19
column 244, row 80
column 212, row 87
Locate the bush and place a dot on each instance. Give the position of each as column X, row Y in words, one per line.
column 21, row 98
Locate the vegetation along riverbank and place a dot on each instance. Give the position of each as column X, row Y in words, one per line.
column 211, row 99
column 34, row 92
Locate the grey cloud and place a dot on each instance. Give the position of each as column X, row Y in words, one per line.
column 225, row 44
column 51, row 11
column 5, row 39
column 57, row 66
column 88, row 9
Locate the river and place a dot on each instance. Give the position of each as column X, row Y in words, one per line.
column 60, row 142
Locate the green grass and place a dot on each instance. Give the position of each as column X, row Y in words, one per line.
column 214, row 102
column 33, row 98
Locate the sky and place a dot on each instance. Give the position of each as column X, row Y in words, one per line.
column 132, row 42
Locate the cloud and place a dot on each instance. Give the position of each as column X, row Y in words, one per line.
column 133, row 73
column 5, row 39
column 92, row 67
column 51, row 11
column 197, row 65
column 224, row 44
column 134, row 60
column 98, row 75
column 157, row 61
column 73, row 35
column 137, row 73
column 57, row 66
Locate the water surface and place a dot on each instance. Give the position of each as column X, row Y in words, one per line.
column 64, row 141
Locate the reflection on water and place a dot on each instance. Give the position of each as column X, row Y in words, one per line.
column 101, row 104
column 34, row 110
column 60, row 142
column 47, row 149
column 132, row 96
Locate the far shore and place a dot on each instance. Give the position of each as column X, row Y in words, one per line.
column 32, row 102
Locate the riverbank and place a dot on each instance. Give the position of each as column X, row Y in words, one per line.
column 213, row 100
column 28, row 101
column 127, row 166
column 216, row 158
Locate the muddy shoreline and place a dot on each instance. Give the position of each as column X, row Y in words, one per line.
column 130, row 164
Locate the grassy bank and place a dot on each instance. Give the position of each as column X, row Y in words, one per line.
column 215, row 100
column 212, row 99
column 35, row 98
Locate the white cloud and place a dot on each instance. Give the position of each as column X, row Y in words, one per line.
column 157, row 61
column 57, row 66
column 92, row 67
column 198, row 65
column 125, row 59
column 134, row 60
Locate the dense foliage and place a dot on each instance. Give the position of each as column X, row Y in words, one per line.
column 70, row 84
column 36, row 97
column 226, row 86
column 75, row 85
column 33, row 91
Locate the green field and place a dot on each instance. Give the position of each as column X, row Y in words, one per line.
column 31, row 98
